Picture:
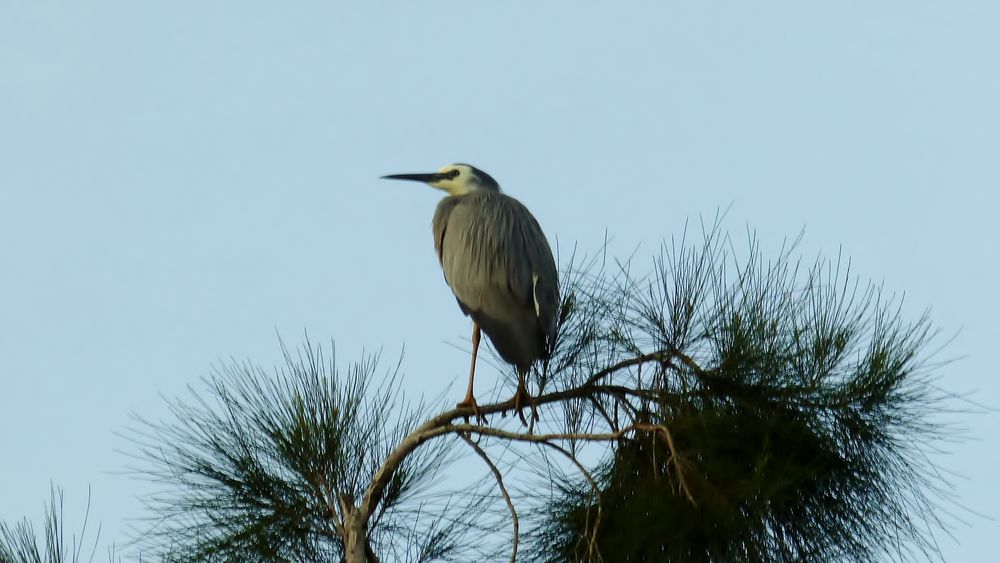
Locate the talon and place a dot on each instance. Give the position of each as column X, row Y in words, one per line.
column 470, row 403
column 518, row 400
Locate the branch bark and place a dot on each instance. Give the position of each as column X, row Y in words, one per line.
column 443, row 424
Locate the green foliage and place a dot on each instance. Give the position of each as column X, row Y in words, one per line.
column 21, row 543
column 257, row 471
column 713, row 410
column 798, row 409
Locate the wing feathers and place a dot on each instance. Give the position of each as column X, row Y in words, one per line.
column 490, row 246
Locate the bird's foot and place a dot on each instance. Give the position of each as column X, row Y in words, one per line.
column 470, row 403
column 519, row 398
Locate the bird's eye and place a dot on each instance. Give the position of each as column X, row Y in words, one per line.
column 453, row 174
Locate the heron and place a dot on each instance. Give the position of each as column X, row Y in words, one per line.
column 499, row 265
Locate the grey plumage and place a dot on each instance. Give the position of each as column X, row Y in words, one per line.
column 498, row 264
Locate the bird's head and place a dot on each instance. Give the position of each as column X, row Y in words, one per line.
column 456, row 179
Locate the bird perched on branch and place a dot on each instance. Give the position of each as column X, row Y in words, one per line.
column 499, row 266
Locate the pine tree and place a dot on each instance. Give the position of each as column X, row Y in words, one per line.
column 716, row 409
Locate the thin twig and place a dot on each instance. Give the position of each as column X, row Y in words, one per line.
column 432, row 427
column 324, row 491
column 592, row 544
column 503, row 491
column 675, row 457
column 658, row 356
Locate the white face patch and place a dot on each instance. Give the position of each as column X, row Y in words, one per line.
column 534, row 294
column 460, row 184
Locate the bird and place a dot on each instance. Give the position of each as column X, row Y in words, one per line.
column 499, row 265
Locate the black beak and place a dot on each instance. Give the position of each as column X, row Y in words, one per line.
column 425, row 178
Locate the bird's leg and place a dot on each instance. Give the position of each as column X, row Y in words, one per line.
column 470, row 400
column 521, row 395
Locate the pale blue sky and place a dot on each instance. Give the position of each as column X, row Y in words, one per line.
column 179, row 179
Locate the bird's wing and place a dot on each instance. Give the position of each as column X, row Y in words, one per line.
column 490, row 245
column 544, row 279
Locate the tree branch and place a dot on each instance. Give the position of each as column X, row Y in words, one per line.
column 503, row 491
column 442, row 424
column 675, row 457
column 658, row 356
